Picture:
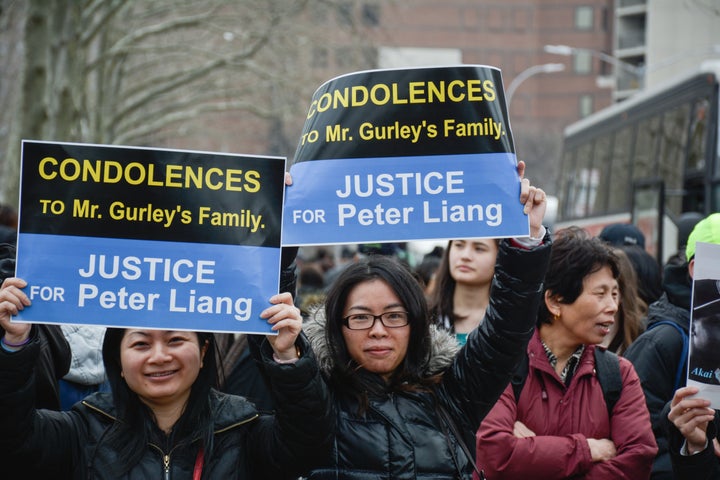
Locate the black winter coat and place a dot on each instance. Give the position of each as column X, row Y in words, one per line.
column 657, row 354
column 401, row 436
column 247, row 445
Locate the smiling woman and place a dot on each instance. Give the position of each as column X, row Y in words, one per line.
column 163, row 415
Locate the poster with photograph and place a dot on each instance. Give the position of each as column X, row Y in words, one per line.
column 405, row 154
column 150, row 238
column 704, row 352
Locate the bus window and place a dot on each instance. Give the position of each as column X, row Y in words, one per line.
column 584, row 181
column 698, row 135
column 671, row 155
column 567, row 182
column 601, row 164
column 664, row 136
column 715, row 197
column 645, row 149
column 619, row 191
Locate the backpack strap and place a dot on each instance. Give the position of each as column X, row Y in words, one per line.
column 607, row 369
column 679, row 375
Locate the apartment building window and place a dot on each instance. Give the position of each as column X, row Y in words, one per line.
column 344, row 13
column 585, row 105
column 582, row 62
column 371, row 14
column 584, row 18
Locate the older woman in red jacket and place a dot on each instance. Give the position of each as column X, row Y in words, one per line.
column 560, row 426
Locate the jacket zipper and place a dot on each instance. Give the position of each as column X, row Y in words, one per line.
column 166, row 464
column 166, row 456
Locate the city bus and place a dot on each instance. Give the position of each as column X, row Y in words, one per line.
column 645, row 161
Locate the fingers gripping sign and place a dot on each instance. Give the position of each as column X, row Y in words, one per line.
column 12, row 301
column 285, row 319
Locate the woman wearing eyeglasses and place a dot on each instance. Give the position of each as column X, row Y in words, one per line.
column 407, row 406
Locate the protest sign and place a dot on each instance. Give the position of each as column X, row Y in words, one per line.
column 704, row 352
column 408, row 154
column 149, row 238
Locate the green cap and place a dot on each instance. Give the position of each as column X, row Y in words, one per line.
column 707, row 230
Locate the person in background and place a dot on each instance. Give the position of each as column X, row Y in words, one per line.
column 619, row 234
column 426, row 273
column 462, row 285
column 560, row 427
column 631, row 309
column 631, row 240
column 311, row 287
column 8, row 224
column 348, row 255
column 87, row 372
column 660, row 353
column 647, row 270
column 685, row 224
column 407, row 404
column 163, row 417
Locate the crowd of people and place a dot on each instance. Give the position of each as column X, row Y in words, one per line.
column 561, row 355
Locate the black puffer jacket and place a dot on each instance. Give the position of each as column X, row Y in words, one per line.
column 657, row 354
column 47, row 444
column 401, row 436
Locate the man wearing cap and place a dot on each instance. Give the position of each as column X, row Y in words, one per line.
column 660, row 353
column 619, row 234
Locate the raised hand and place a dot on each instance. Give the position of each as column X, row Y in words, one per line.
column 285, row 319
column 12, row 301
column 691, row 416
column 534, row 200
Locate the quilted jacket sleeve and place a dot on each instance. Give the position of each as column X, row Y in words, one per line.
column 483, row 367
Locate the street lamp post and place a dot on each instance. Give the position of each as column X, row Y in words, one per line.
column 529, row 72
column 566, row 50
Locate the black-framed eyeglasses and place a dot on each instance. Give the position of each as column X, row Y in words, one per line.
column 363, row 321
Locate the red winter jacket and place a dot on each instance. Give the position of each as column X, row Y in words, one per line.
column 562, row 419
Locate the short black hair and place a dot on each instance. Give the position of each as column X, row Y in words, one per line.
column 574, row 256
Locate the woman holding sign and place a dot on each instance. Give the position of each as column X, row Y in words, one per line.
column 164, row 419
column 407, row 406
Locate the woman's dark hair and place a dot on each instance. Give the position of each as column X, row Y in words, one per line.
column 400, row 280
column 631, row 309
column 648, row 273
column 441, row 301
column 574, row 256
column 129, row 435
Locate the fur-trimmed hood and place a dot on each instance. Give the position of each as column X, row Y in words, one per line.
column 444, row 346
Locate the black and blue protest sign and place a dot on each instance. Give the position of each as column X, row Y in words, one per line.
column 408, row 154
column 149, row 238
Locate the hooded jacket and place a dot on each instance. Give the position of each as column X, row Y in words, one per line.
column 401, row 435
column 246, row 445
column 563, row 418
column 657, row 354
